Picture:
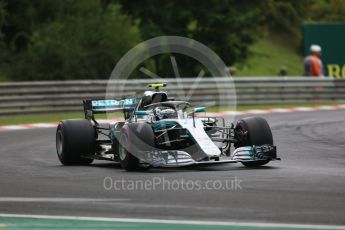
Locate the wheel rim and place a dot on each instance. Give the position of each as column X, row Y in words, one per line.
column 123, row 144
column 59, row 143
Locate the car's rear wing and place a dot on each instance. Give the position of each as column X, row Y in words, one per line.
column 94, row 106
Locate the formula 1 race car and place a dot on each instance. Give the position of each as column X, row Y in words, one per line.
column 158, row 131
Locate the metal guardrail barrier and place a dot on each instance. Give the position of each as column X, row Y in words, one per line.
column 65, row 96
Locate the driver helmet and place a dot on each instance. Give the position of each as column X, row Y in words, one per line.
column 157, row 113
column 168, row 114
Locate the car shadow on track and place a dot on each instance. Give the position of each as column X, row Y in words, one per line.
column 117, row 166
column 209, row 169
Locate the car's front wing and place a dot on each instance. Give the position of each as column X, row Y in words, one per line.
column 178, row 158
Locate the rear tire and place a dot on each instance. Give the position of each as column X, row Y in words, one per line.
column 134, row 137
column 258, row 133
column 75, row 138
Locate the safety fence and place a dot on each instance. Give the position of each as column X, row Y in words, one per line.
column 67, row 96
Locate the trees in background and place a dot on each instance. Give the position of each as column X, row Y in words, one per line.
column 226, row 26
column 2, row 19
column 71, row 39
column 68, row 39
column 327, row 11
column 288, row 15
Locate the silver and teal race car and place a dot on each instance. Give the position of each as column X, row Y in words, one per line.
column 158, row 131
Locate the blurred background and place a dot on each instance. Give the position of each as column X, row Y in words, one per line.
column 84, row 39
column 54, row 54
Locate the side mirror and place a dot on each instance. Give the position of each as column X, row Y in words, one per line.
column 199, row 110
column 140, row 113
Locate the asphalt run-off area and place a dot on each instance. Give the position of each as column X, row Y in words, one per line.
column 303, row 191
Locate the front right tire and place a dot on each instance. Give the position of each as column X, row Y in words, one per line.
column 75, row 138
column 258, row 133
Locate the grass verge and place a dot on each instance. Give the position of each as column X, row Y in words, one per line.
column 271, row 53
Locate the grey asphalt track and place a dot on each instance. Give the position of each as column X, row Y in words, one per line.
column 307, row 186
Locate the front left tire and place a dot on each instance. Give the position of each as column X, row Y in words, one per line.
column 134, row 138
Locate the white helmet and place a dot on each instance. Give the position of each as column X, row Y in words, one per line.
column 315, row 48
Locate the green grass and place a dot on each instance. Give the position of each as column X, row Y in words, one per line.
column 271, row 53
column 41, row 118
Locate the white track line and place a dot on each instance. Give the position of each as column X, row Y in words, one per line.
column 304, row 109
column 44, row 125
column 256, row 111
column 325, row 107
column 340, row 106
column 280, row 110
column 13, row 127
column 192, row 222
